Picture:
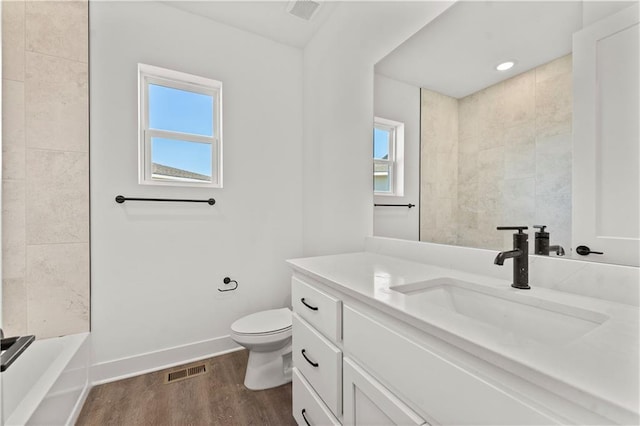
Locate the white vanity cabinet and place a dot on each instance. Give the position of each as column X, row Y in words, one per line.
column 321, row 377
column 356, row 364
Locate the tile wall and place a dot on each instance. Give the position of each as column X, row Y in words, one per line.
column 45, row 169
column 513, row 159
column 439, row 167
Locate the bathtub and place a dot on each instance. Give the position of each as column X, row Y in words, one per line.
column 48, row 383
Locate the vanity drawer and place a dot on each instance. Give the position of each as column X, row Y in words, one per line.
column 320, row 362
column 322, row 311
column 308, row 409
column 443, row 391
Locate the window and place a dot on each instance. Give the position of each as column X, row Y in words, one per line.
column 388, row 155
column 180, row 121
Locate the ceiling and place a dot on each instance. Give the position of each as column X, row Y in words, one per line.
column 269, row 19
column 456, row 54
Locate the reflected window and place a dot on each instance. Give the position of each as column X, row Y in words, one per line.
column 387, row 145
column 180, row 128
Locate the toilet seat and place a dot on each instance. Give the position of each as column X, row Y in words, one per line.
column 273, row 321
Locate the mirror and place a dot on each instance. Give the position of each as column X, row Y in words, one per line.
column 485, row 147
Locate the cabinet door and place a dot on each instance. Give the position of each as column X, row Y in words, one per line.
column 438, row 388
column 606, row 138
column 367, row 402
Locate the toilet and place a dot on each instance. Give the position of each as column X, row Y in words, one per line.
column 267, row 336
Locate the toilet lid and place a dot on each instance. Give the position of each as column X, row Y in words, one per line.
column 263, row 322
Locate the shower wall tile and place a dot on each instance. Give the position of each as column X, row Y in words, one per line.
column 553, row 154
column 57, row 96
column 490, row 164
column 58, row 291
column 519, row 99
column 490, row 116
column 518, row 203
column 514, row 159
column 427, row 207
column 13, row 132
column 555, row 182
column 467, row 169
column 14, row 310
column 468, row 145
column 554, row 99
column 13, row 40
column 520, row 160
column 439, row 164
column 524, row 132
column 441, row 133
column 58, row 28
column 45, row 167
column 447, row 173
column 13, row 229
column 468, row 120
column 57, row 197
column 429, row 166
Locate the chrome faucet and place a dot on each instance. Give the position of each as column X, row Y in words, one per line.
column 520, row 256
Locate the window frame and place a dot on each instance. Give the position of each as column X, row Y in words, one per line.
column 148, row 74
column 395, row 160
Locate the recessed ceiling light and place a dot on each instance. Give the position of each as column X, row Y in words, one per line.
column 505, row 66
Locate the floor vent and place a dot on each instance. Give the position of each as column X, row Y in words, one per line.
column 185, row 373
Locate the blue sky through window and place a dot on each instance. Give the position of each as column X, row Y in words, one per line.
column 180, row 111
column 191, row 156
column 380, row 143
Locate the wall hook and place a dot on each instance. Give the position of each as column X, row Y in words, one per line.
column 228, row 280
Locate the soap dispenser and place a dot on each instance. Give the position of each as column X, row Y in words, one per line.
column 542, row 241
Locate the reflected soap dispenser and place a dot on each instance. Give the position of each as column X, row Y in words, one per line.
column 542, row 241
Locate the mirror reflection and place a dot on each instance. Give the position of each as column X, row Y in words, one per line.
column 486, row 96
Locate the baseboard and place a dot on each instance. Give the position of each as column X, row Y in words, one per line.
column 123, row 368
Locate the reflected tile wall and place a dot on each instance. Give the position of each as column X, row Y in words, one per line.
column 439, row 167
column 513, row 159
column 45, row 167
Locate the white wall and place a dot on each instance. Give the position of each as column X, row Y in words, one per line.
column 593, row 11
column 156, row 267
column 338, row 117
column 399, row 101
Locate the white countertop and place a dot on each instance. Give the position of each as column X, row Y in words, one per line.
column 602, row 363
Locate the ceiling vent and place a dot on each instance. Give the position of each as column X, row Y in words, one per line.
column 304, row 9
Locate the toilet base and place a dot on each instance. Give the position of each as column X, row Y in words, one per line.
column 268, row 369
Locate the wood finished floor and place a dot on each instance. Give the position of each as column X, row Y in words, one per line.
column 215, row 398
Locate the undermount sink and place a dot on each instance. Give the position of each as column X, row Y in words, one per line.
column 510, row 311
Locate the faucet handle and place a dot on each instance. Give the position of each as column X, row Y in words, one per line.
column 540, row 227
column 512, row 228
